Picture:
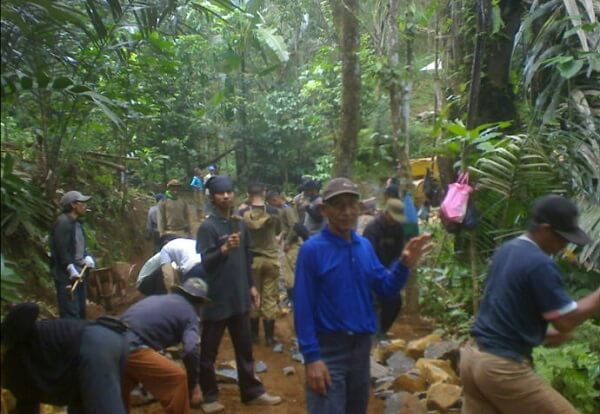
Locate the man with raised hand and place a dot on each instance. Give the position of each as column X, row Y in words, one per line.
column 336, row 273
column 524, row 295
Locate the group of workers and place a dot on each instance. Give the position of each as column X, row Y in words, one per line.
column 336, row 279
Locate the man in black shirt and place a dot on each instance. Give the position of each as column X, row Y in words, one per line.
column 224, row 244
column 61, row 362
column 385, row 232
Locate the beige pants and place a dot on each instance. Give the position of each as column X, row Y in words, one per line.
column 288, row 266
column 496, row 385
column 266, row 273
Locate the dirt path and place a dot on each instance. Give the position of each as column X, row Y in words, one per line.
column 290, row 388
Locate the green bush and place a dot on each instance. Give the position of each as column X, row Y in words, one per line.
column 573, row 369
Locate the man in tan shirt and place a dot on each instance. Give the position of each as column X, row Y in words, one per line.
column 264, row 224
column 173, row 218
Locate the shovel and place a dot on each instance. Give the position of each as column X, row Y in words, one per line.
column 73, row 287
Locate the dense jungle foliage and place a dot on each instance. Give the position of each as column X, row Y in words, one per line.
column 116, row 97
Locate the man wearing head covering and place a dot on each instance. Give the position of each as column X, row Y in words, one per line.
column 62, row 362
column 310, row 210
column 385, row 232
column 524, row 305
column 158, row 322
column 336, row 273
column 70, row 256
column 264, row 224
column 224, row 244
column 173, row 219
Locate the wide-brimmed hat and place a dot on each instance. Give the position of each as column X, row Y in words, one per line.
column 561, row 214
column 195, row 289
column 395, row 208
column 339, row 186
column 73, row 197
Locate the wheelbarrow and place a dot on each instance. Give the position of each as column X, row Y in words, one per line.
column 108, row 282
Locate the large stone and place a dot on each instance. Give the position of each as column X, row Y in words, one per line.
column 443, row 396
column 410, row 381
column 399, row 363
column 384, row 387
column 416, row 348
column 448, row 350
column 404, row 403
column 377, row 370
column 437, row 370
column 386, row 348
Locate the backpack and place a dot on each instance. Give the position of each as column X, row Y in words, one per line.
column 256, row 218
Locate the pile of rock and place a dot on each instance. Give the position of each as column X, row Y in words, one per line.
column 418, row 377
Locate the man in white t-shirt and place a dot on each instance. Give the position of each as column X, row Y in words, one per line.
column 183, row 253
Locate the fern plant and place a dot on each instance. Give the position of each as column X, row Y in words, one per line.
column 510, row 175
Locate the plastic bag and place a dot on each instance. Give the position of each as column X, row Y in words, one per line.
column 410, row 211
column 454, row 206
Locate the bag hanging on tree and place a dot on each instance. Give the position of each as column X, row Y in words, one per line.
column 454, row 206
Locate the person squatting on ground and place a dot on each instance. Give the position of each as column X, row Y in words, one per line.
column 290, row 239
column 385, row 232
column 264, row 224
column 336, row 273
column 223, row 243
column 152, row 223
column 70, row 256
column 524, row 294
column 158, row 322
column 173, row 218
column 183, row 253
column 61, row 362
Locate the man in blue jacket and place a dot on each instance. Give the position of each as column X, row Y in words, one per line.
column 334, row 317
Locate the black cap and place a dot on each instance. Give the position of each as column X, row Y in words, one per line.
column 220, row 184
column 561, row 214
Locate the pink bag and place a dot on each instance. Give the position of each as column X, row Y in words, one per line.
column 454, row 206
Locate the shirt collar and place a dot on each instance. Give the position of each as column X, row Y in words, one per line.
column 337, row 239
column 524, row 237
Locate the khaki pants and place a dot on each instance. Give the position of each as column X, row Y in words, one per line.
column 165, row 380
column 266, row 273
column 289, row 265
column 496, row 385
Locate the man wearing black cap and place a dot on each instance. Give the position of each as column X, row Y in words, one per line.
column 224, row 244
column 158, row 322
column 524, row 294
column 313, row 219
column 336, row 273
column 69, row 255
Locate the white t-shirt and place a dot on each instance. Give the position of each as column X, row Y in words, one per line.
column 182, row 252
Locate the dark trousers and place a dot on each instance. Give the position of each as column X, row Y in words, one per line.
column 389, row 310
column 102, row 358
column 347, row 359
column 196, row 271
column 239, row 331
column 67, row 307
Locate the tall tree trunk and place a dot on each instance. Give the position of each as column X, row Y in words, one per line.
column 345, row 146
column 241, row 154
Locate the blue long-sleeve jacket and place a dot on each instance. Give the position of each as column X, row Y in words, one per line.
column 333, row 285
